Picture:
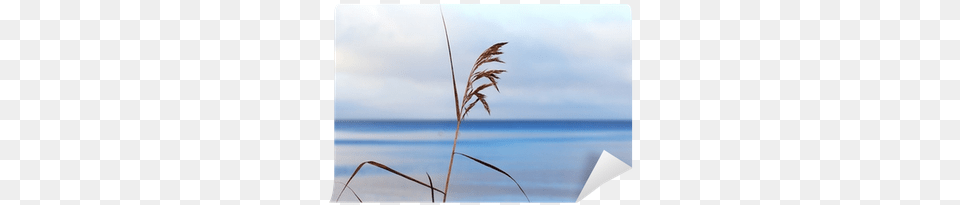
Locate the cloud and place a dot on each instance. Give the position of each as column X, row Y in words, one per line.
column 563, row 61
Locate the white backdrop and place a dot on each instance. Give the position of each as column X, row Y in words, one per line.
column 230, row 102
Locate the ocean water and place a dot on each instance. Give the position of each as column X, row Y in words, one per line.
column 550, row 159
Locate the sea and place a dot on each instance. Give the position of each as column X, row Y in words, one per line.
column 549, row 159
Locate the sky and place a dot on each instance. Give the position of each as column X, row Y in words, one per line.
column 563, row 62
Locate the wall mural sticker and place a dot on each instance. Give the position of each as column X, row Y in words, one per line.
column 540, row 93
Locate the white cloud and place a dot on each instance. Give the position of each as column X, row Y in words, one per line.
column 392, row 60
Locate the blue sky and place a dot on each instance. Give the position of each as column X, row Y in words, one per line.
column 562, row 61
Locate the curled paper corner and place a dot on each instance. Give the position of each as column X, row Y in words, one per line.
column 607, row 167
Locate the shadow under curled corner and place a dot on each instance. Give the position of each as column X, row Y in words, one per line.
column 606, row 168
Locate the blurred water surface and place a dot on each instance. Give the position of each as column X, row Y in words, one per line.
column 551, row 159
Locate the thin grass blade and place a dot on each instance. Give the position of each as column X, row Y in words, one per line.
column 487, row 73
column 480, row 98
column 494, row 81
column 497, row 59
column 487, row 56
column 384, row 167
column 499, row 170
column 351, row 190
column 456, row 99
column 484, row 86
column 432, row 200
column 490, row 75
column 471, row 106
column 485, row 106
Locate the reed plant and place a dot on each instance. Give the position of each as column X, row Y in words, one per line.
column 463, row 106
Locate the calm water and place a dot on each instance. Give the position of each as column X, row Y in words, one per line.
column 550, row 159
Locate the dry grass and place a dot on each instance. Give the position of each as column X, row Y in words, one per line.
column 469, row 92
column 351, row 190
column 489, row 55
column 499, row 170
column 384, row 167
column 432, row 197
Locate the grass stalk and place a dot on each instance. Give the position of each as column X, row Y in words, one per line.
column 446, row 186
column 469, row 92
column 456, row 101
column 432, row 198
